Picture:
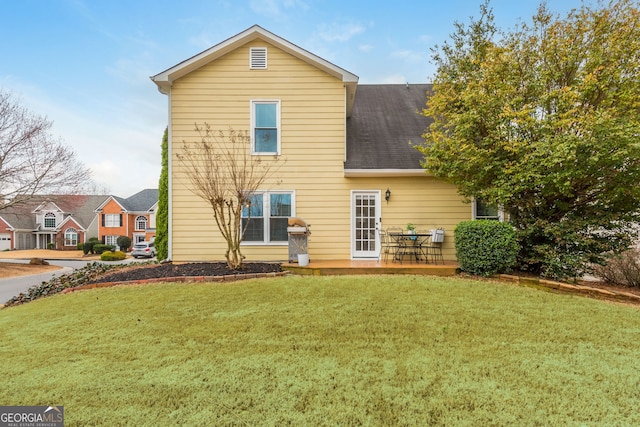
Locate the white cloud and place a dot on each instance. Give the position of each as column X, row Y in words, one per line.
column 365, row 48
column 118, row 139
column 133, row 71
column 339, row 32
column 394, row 79
column 425, row 39
column 276, row 9
column 103, row 171
column 202, row 41
column 408, row 55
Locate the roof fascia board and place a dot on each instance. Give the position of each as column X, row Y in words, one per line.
column 41, row 207
column 6, row 223
column 102, row 205
column 70, row 219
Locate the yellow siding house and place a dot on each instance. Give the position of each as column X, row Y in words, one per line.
column 343, row 144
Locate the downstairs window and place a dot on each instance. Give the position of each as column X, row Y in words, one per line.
column 266, row 219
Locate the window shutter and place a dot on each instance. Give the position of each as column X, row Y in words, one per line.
column 120, row 220
column 103, row 220
column 103, row 240
column 258, row 58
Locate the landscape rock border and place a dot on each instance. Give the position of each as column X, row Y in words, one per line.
column 608, row 294
column 180, row 279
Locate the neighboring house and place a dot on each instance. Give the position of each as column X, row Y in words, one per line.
column 134, row 217
column 344, row 144
column 51, row 221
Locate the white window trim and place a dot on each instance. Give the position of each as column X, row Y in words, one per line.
column 475, row 216
column 253, row 102
column 47, row 216
column 146, row 223
column 267, row 208
column 108, row 224
column 113, row 239
column 68, row 231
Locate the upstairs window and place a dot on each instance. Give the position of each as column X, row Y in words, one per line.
column 50, row 220
column 265, row 127
column 141, row 222
column 258, row 58
column 112, row 220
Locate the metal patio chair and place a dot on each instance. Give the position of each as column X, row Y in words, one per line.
column 434, row 247
column 387, row 246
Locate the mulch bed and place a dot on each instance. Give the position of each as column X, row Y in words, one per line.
column 196, row 269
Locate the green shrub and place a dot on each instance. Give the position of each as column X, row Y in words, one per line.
column 51, row 245
column 124, row 242
column 113, row 256
column 79, row 246
column 88, row 247
column 100, row 248
column 485, row 247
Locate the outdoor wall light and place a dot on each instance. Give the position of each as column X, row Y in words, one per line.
column 387, row 195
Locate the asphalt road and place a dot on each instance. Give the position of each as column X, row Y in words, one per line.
column 15, row 285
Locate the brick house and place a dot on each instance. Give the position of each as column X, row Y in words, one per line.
column 50, row 222
column 134, row 217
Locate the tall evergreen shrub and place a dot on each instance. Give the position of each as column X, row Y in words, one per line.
column 162, row 215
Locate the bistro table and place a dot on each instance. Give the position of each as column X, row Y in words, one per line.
column 412, row 244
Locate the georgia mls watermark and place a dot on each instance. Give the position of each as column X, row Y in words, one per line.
column 31, row 416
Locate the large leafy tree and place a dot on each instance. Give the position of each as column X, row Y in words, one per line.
column 544, row 120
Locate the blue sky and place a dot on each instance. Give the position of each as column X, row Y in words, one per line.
column 85, row 64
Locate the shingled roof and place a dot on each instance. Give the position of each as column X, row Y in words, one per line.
column 80, row 207
column 384, row 127
column 142, row 201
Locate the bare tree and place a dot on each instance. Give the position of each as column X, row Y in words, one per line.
column 32, row 161
column 222, row 171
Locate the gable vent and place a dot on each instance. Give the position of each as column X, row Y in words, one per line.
column 258, row 60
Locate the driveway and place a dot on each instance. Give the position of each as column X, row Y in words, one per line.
column 68, row 260
column 46, row 254
column 13, row 286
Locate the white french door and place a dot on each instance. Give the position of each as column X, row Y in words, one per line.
column 365, row 215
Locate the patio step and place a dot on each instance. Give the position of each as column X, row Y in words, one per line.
column 351, row 267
